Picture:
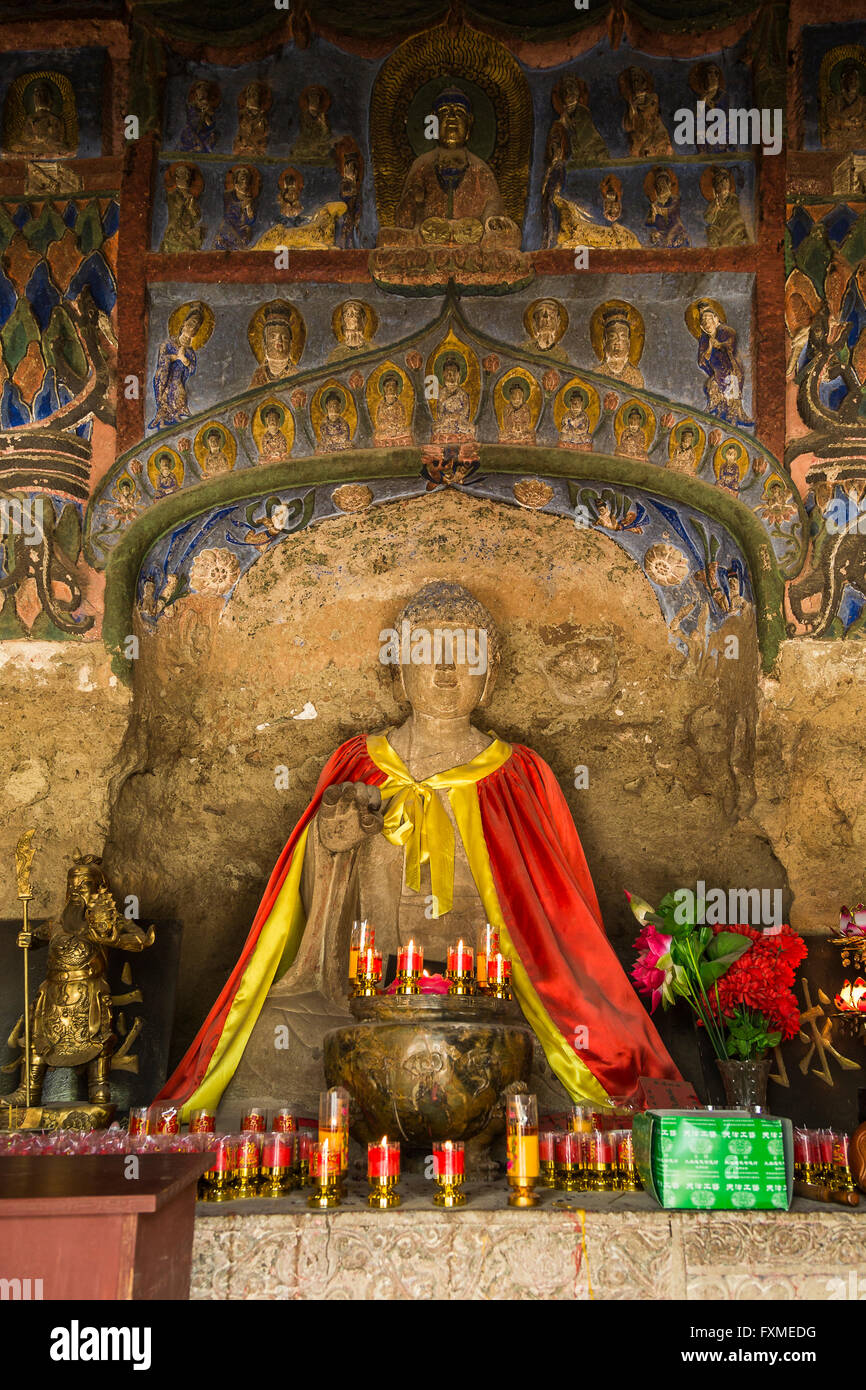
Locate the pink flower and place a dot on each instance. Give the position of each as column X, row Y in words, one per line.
column 759, row 463
column 653, row 964
column 715, row 437
column 184, row 445
column 414, row 361
column 491, row 362
column 135, row 467
column 298, row 398
column 852, row 923
column 611, row 400
column 667, row 420
column 241, row 420
column 356, row 381
column 550, row 380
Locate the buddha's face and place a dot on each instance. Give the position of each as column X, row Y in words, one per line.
column 616, row 340
column 712, row 82
column 201, row 97
column 576, row 405
column 731, row 456
column 546, row 322
column 709, row 321
column 570, row 94
column 451, row 376
column 454, row 124
column 634, row 420
column 850, row 84
column 663, row 189
column 277, row 340
column 243, row 182
column 687, row 439
column 183, row 177
column 254, row 99
column 213, row 442
column 723, row 187
column 515, row 395
column 389, row 390
column 41, row 98
column 187, row 332
column 314, row 101
column 165, row 467
column 354, row 318
column 446, row 688
column 333, row 408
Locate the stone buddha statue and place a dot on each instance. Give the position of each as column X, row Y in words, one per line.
column 428, row 830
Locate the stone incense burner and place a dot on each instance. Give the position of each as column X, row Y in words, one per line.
column 429, row 1066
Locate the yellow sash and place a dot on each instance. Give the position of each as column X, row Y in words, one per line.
column 416, row 820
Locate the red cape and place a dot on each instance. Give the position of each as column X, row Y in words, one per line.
column 549, row 906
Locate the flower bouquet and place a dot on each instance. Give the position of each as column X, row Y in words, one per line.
column 738, row 980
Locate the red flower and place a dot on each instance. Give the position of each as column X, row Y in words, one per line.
column 356, row 381
column 241, row 419
column 491, row 362
column 715, row 437
column 763, row 978
column 414, row 361
column 667, row 420
column 550, row 380
column 611, row 400
column 184, row 445
column 298, row 398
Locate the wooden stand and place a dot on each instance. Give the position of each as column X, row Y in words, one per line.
column 89, row 1232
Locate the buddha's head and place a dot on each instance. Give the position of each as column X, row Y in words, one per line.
column 213, row 439
column 709, row 318
column 722, row 185
column 391, row 388
column 849, row 81
column 451, row 373
column 546, row 329
column 617, row 336
column 277, row 337
column 452, row 646
column 687, row 439
column 333, row 406
column 453, row 110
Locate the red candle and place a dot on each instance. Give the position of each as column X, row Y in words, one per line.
column 278, row 1151
column 410, row 959
column 253, row 1122
column 498, row 969
column 284, row 1122
column 222, row 1155
column 449, row 1159
column 306, row 1144
column 168, row 1121
column 567, row 1148
column 825, row 1142
column 138, row 1120
column 601, row 1148
column 202, row 1122
column 840, row 1149
column 383, row 1159
column 460, row 959
column 247, row 1151
column 625, row 1149
column 547, row 1145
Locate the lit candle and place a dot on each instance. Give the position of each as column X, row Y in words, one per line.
column 449, row 1159
column 410, row 959
column 325, row 1170
column 488, row 946
column 383, row 1159
column 460, row 958
column 334, row 1122
column 363, row 937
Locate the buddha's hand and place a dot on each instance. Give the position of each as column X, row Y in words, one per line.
column 348, row 814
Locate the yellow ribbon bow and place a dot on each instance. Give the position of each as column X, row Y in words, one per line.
column 416, row 820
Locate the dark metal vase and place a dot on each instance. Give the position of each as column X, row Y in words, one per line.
column 426, row 1067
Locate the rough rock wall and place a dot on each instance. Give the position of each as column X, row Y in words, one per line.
column 63, row 715
column 589, row 678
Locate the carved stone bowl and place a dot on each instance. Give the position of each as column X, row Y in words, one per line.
column 429, row 1066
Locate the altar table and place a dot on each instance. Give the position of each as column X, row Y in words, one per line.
column 88, row 1228
column 573, row 1246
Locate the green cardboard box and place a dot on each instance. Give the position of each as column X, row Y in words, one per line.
column 703, row 1160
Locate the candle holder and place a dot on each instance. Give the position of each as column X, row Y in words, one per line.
column 806, row 1155
column 368, row 974
column 600, row 1162
column 547, row 1157
column 218, row 1182
column 627, row 1179
column 499, row 977
column 334, row 1124
column 842, row 1180
column 488, row 947
column 568, row 1156
column 247, row 1163
column 410, row 963
column 522, row 1166
column 254, row 1120
column 167, row 1120
column 277, row 1164
column 200, row 1122
column 361, row 948
column 306, row 1143
column 449, row 1172
column 459, row 971
column 138, row 1118
column 325, row 1172
column 383, row 1173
